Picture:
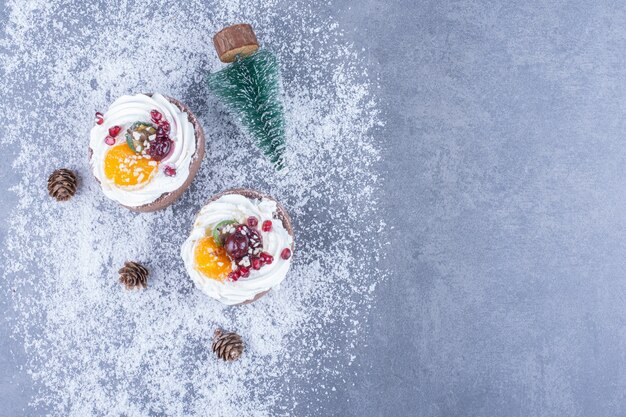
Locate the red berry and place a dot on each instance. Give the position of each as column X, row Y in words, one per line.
column 165, row 125
column 170, row 171
column 286, row 253
column 252, row 221
column 114, row 131
column 99, row 118
column 267, row 225
column 109, row 140
column 236, row 245
column 160, row 135
column 156, row 116
column 256, row 263
column 267, row 258
column 244, row 272
column 159, row 148
column 234, row 275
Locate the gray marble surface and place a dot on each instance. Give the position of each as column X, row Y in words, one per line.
column 504, row 167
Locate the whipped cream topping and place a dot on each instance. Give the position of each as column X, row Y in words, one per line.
column 125, row 111
column 239, row 208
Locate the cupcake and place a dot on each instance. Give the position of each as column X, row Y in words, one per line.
column 240, row 246
column 145, row 151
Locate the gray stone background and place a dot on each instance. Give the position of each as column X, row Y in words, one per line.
column 504, row 167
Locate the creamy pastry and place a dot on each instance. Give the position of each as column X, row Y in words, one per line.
column 240, row 246
column 145, row 150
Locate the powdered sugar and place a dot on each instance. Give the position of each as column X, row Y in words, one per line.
column 95, row 349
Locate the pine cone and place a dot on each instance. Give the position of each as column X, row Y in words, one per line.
column 62, row 184
column 228, row 346
column 134, row 275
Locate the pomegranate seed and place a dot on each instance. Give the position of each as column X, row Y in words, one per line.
column 267, row 225
column 256, row 263
column 99, row 118
column 156, row 116
column 245, row 272
column 165, row 125
column 286, row 253
column 109, row 140
column 234, row 275
column 267, row 258
column 170, row 171
column 252, row 221
column 114, row 131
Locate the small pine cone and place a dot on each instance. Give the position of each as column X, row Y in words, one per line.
column 228, row 346
column 62, row 184
column 134, row 275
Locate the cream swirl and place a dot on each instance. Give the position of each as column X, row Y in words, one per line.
column 125, row 111
column 239, row 208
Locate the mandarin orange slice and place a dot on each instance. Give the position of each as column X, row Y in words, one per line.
column 126, row 168
column 211, row 260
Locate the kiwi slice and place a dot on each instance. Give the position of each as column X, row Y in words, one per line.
column 138, row 134
column 217, row 230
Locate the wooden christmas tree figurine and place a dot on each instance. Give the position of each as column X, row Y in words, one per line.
column 250, row 88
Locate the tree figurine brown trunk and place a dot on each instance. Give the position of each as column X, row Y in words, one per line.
column 235, row 40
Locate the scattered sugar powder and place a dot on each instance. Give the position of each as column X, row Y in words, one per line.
column 94, row 349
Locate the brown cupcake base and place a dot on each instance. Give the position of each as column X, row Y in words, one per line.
column 256, row 297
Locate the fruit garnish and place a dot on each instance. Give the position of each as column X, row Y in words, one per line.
column 161, row 133
column 170, row 171
column 234, row 276
column 125, row 168
column 99, row 118
column 218, row 236
column 109, row 140
column 155, row 115
column 256, row 241
column 267, row 226
column 159, row 148
column 285, row 254
column 114, row 130
column 212, row 260
column 139, row 135
column 243, row 245
column 266, row 258
column 236, row 245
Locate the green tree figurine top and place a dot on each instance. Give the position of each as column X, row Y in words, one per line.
column 250, row 88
